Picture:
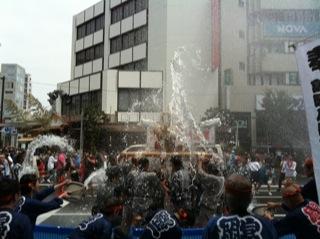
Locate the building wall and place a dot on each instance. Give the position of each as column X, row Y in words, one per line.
column 173, row 26
column 14, row 84
column 264, row 48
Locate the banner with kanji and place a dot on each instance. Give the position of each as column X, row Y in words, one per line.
column 308, row 59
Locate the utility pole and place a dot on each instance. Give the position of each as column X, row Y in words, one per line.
column 2, row 98
column 81, row 135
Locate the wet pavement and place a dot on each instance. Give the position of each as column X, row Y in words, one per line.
column 72, row 213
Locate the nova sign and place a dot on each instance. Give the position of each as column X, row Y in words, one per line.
column 283, row 29
column 291, row 29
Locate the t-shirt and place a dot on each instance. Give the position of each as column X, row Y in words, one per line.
column 162, row 226
column 254, row 166
column 96, row 227
column 51, row 161
column 14, row 225
column 303, row 221
column 33, row 207
column 289, row 168
column 239, row 227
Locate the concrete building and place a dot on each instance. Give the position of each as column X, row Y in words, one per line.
column 27, row 91
column 14, row 86
column 121, row 57
column 253, row 53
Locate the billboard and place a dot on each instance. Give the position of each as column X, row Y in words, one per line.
column 290, row 29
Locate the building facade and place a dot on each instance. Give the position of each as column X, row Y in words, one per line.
column 256, row 53
column 122, row 52
column 13, row 87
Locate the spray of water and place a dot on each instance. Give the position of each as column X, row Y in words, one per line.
column 29, row 165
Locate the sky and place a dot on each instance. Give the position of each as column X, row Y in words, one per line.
column 36, row 34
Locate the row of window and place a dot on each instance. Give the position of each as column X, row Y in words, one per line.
column 127, row 9
column 141, row 65
column 289, row 78
column 273, row 47
column 89, row 54
column 291, row 15
column 140, row 100
column 130, row 39
column 72, row 105
column 90, row 27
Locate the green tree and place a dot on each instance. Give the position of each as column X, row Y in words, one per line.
column 223, row 133
column 283, row 120
column 93, row 118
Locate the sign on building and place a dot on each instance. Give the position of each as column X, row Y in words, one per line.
column 290, row 29
column 308, row 58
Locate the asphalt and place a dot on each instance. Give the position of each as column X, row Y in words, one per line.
column 73, row 212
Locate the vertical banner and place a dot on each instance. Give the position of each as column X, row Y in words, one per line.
column 308, row 59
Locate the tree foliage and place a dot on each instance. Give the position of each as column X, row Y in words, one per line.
column 93, row 118
column 283, row 120
column 224, row 132
column 36, row 112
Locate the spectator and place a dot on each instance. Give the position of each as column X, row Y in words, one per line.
column 13, row 225
column 50, row 167
column 239, row 223
column 289, row 166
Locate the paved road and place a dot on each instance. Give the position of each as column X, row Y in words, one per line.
column 72, row 213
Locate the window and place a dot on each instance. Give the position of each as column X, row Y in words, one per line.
column 141, row 5
column 242, row 66
column 98, row 51
column 141, row 65
column 151, row 100
column 228, row 77
column 115, row 44
column 99, row 23
column 293, row 78
column 85, row 100
column 241, row 3
column 90, row 27
column 127, row 40
column 129, row 100
column 128, row 9
column 141, row 35
column 116, row 14
column 81, row 31
column 80, row 57
column 241, row 34
column 89, row 54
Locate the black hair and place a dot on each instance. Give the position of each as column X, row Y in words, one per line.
column 144, row 162
column 9, row 187
column 176, row 161
column 25, row 181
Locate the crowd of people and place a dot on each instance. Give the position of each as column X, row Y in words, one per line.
column 207, row 191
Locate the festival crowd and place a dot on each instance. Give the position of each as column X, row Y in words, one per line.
column 214, row 192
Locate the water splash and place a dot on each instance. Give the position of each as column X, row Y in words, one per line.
column 183, row 66
column 29, row 165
